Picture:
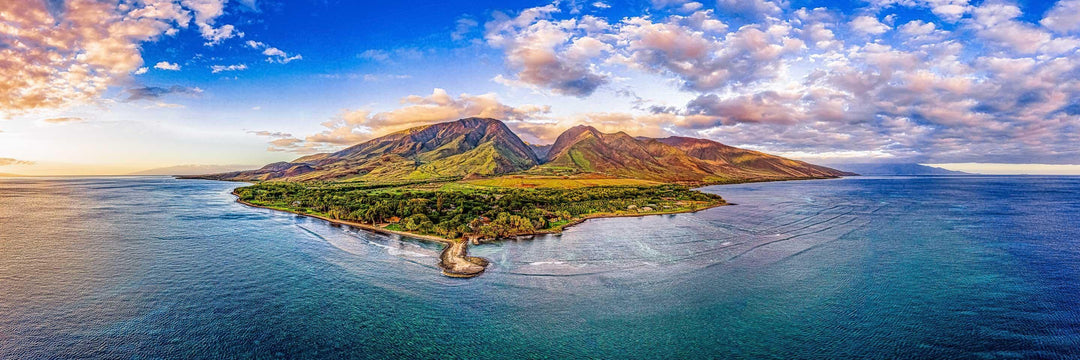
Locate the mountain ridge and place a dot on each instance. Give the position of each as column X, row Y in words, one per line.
column 484, row 147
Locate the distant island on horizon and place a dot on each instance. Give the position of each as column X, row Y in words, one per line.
column 187, row 170
column 897, row 169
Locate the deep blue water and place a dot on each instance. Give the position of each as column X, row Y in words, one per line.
column 929, row 267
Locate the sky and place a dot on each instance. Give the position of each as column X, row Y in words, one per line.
column 113, row 87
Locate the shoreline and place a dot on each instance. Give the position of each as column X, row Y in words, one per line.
column 606, row 215
column 454, row 259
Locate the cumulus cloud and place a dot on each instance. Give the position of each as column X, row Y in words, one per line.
column 1063, row 17
column 206, row 13
column 996, row 23
column 549, row 54
column 354, row 126
column 869, row 25
column 275, row 55
column 53, row 59
column 565, row 55
column 917, row 28
column 948, row 10
column 701, row 59
column 165, row 65
column 993, row 87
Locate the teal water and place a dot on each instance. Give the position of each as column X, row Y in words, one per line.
column 934, row 267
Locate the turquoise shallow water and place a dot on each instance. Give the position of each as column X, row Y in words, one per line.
column 945, row 267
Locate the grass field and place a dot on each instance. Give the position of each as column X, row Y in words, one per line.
column 555, row 182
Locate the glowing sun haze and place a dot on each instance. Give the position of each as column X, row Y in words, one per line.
column 114, row 87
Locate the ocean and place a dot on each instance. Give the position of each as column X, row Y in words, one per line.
column 981, row 267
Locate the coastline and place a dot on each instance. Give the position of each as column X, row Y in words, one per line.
column 454, row 259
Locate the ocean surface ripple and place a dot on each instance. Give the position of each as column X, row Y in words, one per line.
column 862, row 267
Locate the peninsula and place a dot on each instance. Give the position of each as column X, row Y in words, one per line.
column 474, row 180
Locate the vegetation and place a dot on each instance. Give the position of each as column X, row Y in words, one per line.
column 464, row 210
column 474, row 148
column 559, row 182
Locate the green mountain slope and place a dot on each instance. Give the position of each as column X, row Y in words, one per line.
column 583, row 149
column 450, row 149
column 486, row 147
column 748, row 163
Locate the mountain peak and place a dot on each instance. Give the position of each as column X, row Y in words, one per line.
column 570, row 137
column 485, row 146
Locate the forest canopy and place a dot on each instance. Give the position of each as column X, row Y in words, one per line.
column 483, row 212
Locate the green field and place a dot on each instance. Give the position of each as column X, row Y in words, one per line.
column 556, row 182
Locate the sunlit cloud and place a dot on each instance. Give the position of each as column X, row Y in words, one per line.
column 62, row 120
column 351, row 127
column 792, row 80
column 938, row 81
column 52, row 59
column 12, row 162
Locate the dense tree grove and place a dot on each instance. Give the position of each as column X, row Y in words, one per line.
column 483, row 212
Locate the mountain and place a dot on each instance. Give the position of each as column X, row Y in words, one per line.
column 485, row 147
column 750, row 163
column 583, row 149
column 191, row 169
column 898, row 169
column 472, row 146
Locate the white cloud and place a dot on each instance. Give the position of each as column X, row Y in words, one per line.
column 995, row 22
column 54, row 59
column 219, row 68
column 1063, row 17
column 206, row 13
column 918, row 27
column 869, row 25
column 165, row 65
column 550, row 54
column 948, row 10
column 998, row 87
column 275, row 55
column 354, row 126
column 463, row 27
